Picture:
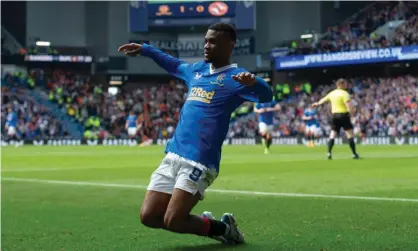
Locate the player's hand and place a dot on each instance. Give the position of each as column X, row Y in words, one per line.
column 245, row 78
column 314, row 105
column 131, row 49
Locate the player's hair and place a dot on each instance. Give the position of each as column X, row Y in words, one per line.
column 227, row 29
column 340, row 82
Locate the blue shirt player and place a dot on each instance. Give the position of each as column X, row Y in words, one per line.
column 11, row 123
column 131, row 125
column 312, row 128
column 215, row 89
column 266, row 113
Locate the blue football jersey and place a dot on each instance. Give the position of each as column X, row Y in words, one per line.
column 11, row 119
column 131, row 121
column 211, row 99
column 311, row 113
column 266, row 117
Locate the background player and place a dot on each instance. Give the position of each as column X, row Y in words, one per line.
column 215, row 89
column 11, row 124
column 340, row 109
column 131, row 125
column 265, row 121
column 312, row 127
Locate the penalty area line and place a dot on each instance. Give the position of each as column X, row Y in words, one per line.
column 240, row 192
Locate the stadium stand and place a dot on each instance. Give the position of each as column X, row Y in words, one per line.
column 34, row 120
column 361, row 31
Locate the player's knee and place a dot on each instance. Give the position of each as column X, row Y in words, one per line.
column 173, row 222
column 148, row 218
column 349, row 133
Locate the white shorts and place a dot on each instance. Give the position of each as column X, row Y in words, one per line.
column 178, row 172
column 312, row 129
column 11, row 131
column 264, row 128
column 132, row 131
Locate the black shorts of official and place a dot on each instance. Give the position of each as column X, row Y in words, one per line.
column 341, row 120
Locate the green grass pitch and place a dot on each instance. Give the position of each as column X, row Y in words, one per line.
column 87, row 198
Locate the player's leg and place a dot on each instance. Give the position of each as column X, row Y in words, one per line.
column 192, row 181
column 335, row 128
column 348, row 128
column 307, row 135
column 158, row 194
column 154, row 208
column 316, row 134
column 311, row 130
column 262, row 127
column 269, row 139
column 331, row 140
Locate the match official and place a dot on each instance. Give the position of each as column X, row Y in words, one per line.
column 340, row 109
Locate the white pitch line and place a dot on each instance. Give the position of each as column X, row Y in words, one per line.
column 347, row 197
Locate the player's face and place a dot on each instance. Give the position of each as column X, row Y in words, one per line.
column 217, row 47
column 345, row 85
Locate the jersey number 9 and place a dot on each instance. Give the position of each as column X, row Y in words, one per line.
column 195, row 175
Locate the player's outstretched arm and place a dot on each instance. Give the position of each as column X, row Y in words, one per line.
column 262, row 110
column 304, row 117
column 254, row 85
column 276, row 108
column 320, row 102
column 172, row 65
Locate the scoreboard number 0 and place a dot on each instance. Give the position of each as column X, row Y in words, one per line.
column 200, row 8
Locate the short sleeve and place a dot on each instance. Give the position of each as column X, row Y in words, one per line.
column 346, row 97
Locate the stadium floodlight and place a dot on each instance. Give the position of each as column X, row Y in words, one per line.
column 43, row 43
column 306, row 36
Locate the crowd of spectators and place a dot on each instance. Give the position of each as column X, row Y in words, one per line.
column 104, row 114
column 33, row 120
column 358, row 33
column 382, row 107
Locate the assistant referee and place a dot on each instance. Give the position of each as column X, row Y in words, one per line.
column 340, row 109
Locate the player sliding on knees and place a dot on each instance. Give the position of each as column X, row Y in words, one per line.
column 215, row 89
column 340, row 109
column 265, row 121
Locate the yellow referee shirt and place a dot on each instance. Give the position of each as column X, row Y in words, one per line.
column 338, row 98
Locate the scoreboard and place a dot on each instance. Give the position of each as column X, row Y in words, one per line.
column 191, row 9
column 146, row 15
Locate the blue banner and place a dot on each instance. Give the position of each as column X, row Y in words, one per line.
column 194, row 48
column 391, row 54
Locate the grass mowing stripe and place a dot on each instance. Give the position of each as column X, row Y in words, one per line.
column 83, row 183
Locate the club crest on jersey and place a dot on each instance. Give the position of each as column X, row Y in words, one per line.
column 197, row 76
column 219, row 80
column 200, row 94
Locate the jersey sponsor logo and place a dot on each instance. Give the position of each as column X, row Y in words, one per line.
column 200, row 94
column 219, row 80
